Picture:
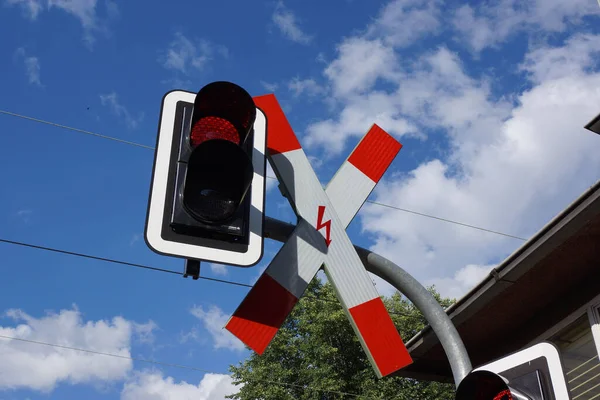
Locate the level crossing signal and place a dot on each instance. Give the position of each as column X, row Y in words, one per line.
column 208, row 184
column 483, row 385
column 208, row 192
column 320, row 239
column 533, row 373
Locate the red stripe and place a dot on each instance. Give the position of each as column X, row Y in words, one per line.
column 280, row 135
column 261, row 314
column 375, row 153
column 381, row 337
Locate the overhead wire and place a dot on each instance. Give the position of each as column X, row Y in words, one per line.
column 161, row 363
column 72, row 253
column 269, row 177
column 148, row 267
column 76, row 129
column 446, row 220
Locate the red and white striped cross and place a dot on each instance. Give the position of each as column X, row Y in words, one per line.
column 322, row 214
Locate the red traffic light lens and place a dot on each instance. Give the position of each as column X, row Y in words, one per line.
column 209, row 128
column 483, row 385
column 222, row 110
column 504, row 395
column 219, row 171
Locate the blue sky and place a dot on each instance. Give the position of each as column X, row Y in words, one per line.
column 489, row 101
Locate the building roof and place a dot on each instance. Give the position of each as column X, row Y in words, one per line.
column 545, row 280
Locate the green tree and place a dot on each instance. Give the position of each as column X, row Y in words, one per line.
column 317, row 356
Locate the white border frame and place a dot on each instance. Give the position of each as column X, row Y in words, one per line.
column 546, row 350
column 160, row 176
column 594, row 317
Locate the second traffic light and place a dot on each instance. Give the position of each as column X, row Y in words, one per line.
column 532, row 373
column 208, row 185
column 483, row 385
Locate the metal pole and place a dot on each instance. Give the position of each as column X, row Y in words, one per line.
column 439, row 321
column 428, row 305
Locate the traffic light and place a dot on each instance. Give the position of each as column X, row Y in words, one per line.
column 208, row 183
column 532, row 373
column 483, row 385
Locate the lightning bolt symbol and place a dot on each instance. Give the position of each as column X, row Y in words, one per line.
column 326, row 225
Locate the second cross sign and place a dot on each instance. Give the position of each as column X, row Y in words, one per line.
column 320, row 238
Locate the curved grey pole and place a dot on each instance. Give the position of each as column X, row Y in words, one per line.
column 428, row 305
column 439, row 321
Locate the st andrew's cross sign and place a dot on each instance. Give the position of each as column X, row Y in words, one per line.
column 320, row 238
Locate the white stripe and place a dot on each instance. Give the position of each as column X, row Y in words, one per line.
column 300, row 181
column 343, row 266
column 158, row 195
column 348, row 191
column 298, row 261
column 301, row 256
column 345, row 270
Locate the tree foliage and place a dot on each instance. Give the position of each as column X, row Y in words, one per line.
column 317, row 356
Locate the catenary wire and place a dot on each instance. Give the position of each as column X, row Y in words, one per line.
column 180, row 366
column 147, row 267
column 104, row 259
column 269, row 177
column 76, row 129
column 72, row 253
column 446, row 220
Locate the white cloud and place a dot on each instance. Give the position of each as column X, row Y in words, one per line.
column 25, row 215
column 359, row 64
column 144, row 333
column 574, row 59
column 135, row 238
column 305, row 86
column 184, row 55
column 437, row 93
column 86, row 11
column 269, row 86
column 315, row 162
column 322, row 276
column 507, row 161
column 403, row 22
column 463, row 280
column 509, row 166
column 288, row 25
column 491, row 24
column 214, row 320
column 31, row 7
column 557, row 15
column 355, row 119
column 41, row 368
column 484, row 31
column 32, row 66
column 218, row 269
column 382, row 286
column 111, row 100
column 150, row 385
column 363, row 61
column 192, row 334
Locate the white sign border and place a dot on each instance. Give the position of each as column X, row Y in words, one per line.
column 544, row 349
column 160, row 175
